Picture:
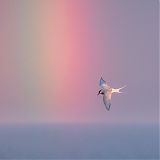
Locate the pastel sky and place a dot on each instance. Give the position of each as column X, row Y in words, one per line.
column 53, row 53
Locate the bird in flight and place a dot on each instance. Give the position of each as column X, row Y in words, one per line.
column 107, row 91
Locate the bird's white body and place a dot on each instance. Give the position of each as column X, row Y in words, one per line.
column 107, row 92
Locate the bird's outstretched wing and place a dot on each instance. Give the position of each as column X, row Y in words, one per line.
column 103, row 84
column 107, row 100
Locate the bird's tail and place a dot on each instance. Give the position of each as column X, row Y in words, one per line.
column 118, row 90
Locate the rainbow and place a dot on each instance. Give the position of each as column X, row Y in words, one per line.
column 50, row 60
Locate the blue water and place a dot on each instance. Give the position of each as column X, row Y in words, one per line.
column 79, row 142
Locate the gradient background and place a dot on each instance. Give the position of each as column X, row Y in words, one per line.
column 53, row 53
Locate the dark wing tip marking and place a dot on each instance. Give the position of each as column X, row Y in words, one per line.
column 102, row 79
column 108, row 107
